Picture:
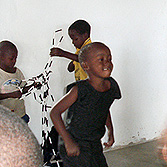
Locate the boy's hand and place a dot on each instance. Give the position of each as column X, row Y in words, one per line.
column 37, row 85
column 15, row 94
column 110, row 140
column 56, row 52
column 72, row 149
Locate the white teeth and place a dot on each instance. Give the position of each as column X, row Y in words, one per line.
column 105, row 69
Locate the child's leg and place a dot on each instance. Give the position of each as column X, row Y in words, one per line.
column 83, row 160
column 91, row 155
column 97, row 158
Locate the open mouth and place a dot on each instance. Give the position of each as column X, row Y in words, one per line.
column 105, row 69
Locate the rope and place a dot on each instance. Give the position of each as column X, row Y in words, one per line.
column 40, row 89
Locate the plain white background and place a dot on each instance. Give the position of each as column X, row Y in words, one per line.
column 135, row 31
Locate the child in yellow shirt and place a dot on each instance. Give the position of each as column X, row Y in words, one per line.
column 79, row 33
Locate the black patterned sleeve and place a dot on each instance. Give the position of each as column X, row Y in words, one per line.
column 115, row 88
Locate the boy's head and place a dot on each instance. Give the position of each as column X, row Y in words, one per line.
column 8, row 55
column 79, row 32
column 19, row 147
column 95, row 58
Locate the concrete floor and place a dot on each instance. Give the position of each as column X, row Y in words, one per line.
column 140, row 155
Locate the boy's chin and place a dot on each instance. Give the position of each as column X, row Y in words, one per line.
column 108, row 75
column 12, row 67
column 77, row 47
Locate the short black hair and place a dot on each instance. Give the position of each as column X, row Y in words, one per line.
column 84, row 52
column 81, row 26
column 6, row 45
column 19, row 146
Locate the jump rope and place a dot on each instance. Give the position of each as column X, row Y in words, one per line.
column 41, row 92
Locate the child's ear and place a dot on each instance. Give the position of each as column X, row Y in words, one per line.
column 85, row 66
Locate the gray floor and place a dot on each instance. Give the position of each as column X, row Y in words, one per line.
column 141, row 155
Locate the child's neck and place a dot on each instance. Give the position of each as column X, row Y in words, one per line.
column 102, row 85
column 9, row 70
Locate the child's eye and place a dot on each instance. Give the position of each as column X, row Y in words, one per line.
column 109, row 58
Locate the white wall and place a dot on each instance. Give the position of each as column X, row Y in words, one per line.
column 134, row 30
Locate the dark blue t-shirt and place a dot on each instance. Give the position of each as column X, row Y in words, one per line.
column 87, row 116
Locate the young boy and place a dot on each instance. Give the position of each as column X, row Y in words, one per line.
column 89, row 102
column 10, row 78
column 79, row 33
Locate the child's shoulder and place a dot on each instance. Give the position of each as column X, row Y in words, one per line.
column 113, row 81
column 18, row 70
column 78, row 83
column 115, row 87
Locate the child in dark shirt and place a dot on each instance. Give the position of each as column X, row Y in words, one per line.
column 88, row 102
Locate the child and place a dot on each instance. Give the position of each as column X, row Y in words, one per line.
column 19, row 147
column 79, row 33
column 88, row 102
column 10, row 78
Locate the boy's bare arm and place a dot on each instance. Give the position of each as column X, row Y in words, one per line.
column 71, row 147
column 15, row 94
column 36, row 85
column 18, row 93
column 110, row 132
column 62, row 53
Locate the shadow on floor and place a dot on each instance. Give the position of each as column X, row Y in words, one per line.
column 141, row 155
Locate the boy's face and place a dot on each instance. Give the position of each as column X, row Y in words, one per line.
column 99, row 62
column 77, row 39
column 8, row 60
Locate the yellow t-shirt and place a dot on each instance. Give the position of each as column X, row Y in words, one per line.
column 80, row 74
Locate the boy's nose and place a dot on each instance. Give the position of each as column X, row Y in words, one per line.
column 106, row 61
